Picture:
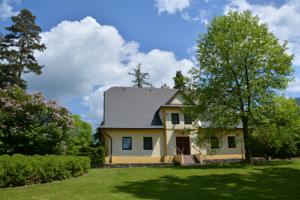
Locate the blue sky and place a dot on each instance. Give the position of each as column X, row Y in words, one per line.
column 92, row 44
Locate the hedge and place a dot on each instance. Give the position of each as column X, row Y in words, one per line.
column 18, row 170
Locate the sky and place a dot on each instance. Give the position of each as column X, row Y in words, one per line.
column 93, row 44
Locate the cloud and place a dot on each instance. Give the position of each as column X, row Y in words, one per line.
column 202, row 16
column 294, row 88
column 284, row 22
column 84, row 58
column 6, row 9
column 182, row 6
column 172, row 6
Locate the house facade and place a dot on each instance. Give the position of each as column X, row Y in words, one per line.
column 147, row 125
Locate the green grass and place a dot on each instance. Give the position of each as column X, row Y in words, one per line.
column 274, row 180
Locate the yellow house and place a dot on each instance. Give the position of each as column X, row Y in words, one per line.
column 147, row 125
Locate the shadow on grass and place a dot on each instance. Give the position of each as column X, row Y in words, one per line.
column 265, row 183
column 237, row 165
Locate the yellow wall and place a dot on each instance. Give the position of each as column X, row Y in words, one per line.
column 137, row 142
column 181, row 125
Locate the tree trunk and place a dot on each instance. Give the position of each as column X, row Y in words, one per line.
column 246, row 136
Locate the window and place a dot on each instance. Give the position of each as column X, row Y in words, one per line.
column 126, row 143
column 231, row 142
column 148, row 143
column 175, row 118
column 214, row 142
column 187, row 119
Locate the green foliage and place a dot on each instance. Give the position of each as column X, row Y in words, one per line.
column 80, row 137
column 279, row 133
column 242, row 66
column 165, row 86
column 140, row 78
column 96, row 153
column 20, row 170
column 18, row 47
column 31, row 125
column 180, row 81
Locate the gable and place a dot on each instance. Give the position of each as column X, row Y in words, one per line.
column 177, row 100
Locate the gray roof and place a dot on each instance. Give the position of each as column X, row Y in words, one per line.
column 127, row 107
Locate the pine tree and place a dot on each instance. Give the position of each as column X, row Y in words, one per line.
column 22, row 40
column 165, row 86
column 6, row 73
column 179, row 81
column 140, row 77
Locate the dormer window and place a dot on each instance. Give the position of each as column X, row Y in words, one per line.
column 175, row 118
column 187, row 119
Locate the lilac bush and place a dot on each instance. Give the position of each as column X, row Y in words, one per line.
column 31, row 125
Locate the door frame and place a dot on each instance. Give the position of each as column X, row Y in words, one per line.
column 189, row 145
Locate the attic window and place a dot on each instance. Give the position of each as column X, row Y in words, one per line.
column 175, row 118
column 187, row 119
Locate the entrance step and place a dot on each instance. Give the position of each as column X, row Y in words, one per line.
column 189, row 160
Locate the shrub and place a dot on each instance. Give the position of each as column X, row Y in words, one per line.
column 31, row 125
column 20, row 170
column 96, row 153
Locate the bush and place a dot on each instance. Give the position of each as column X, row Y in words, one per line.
column 20, row 170
column 31, row 125
column 96, row 153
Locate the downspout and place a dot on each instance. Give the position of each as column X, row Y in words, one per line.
column 111, row 143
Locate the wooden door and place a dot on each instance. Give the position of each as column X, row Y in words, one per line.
column 183, row 145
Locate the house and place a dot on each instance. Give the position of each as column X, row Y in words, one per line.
column 147, row 125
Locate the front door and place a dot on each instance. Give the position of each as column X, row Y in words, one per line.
column 183, row 145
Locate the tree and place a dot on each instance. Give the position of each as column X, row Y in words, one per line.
column 242, row 66
column 21, row 42
column 30, row 125
column 80, row 136
column 140, row 77
column 165, row 86
column 179, row 81
column 279, row 132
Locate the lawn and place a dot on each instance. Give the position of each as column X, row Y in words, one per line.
column 275, row 180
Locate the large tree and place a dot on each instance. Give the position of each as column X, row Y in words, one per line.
column 19, row 45
column 140, row 78
column 242, row 66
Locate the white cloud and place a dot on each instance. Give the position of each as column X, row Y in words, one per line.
column 181, row 6
column 172, row 6
column 283, row 21
column 6, row 9
column 202, row 16
column 83, row 55
column 294, row 88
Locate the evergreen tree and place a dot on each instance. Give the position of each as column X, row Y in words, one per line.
column 165, row 86
column 7, row 75
column 140, row 77
column 19, row 45
column 179, row 81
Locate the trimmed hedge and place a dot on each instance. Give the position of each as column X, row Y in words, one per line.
column 20, row 170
